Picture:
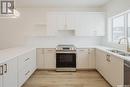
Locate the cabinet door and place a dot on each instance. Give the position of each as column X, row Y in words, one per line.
column 82, row 59
column 111, row 67
column 1, row 75
column 100, row 61
column 1, row 80
column 33, row 60
column 10, row 73
column 40, row 58
column 91, row 24
column 98, row 24
column 92, row 59
column 72, row 20
column 49, row 58
column 55, row 22
column 115, row 71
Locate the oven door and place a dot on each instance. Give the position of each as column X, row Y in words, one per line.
column 65, row 60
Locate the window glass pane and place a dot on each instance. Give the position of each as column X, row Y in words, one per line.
column 129, row 27
column 118, row 29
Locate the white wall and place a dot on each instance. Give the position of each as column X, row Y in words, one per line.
column 18, row 31
column 113, row 8
column 117, row 6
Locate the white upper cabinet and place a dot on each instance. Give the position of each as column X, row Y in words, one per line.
column 51, row 24
column 71, row 20
column 84, row 23
column 60, row 21
column 91, row 24
column 55, row 21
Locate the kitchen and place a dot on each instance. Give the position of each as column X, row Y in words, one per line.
column 65, row 44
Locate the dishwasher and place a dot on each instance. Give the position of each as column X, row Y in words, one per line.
column 127, row 73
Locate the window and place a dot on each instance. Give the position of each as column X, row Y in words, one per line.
column 118, row 28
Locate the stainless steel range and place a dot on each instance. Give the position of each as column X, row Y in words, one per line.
column 66, row 58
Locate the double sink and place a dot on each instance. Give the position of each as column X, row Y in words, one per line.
column 122, row 53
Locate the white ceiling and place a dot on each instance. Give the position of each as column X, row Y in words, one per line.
column 60, row 3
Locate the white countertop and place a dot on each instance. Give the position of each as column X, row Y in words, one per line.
column 10, row 53
column 106, row 49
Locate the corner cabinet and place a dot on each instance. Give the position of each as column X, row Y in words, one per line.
column 8, row 71
column 111, row 67
column 84, row 23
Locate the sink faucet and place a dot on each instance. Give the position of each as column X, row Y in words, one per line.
column 127, row 43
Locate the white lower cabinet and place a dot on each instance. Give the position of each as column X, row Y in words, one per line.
column 82, row 59
column 85, row 58
column 26, row 66
column 115, row 74
column 46, row 58
column 40, row 58
column 100, row 61
column 49, row 58
column 8, row 73
column 1, row 81
column 92, row 59
column 84, row 23
column 1, row 75
column 14, row 72
column 111, row 67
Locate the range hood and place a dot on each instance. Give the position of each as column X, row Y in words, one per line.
column 66, row 32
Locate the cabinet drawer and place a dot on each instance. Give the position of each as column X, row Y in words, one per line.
column 49, row 51
column 40, row 50
column 24, row 61
column 27, row 73
column 83, row 50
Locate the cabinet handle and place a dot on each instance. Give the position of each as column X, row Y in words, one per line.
column 26, row 59
column 5, row 68
column 108, row 58
column 1, row 68
column 50, row 50
column 27, row 73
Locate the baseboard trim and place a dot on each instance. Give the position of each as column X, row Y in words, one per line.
column 46, row 69
column 76, row 69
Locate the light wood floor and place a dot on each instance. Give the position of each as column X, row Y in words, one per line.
column 66, row 79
